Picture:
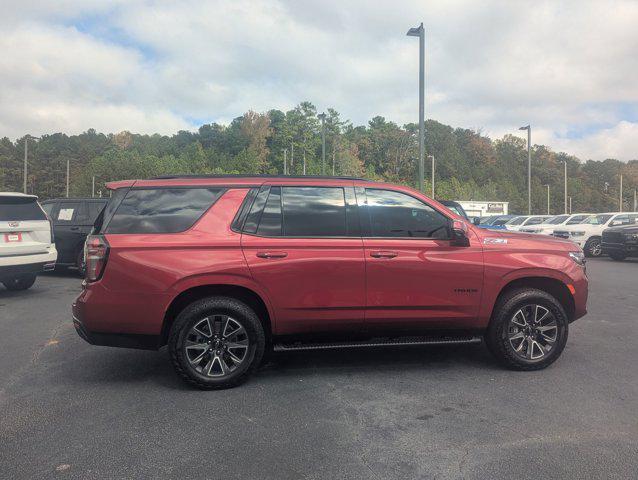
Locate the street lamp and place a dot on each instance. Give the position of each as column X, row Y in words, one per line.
column 26, row 154
column 565, row 193
column 432, row 157
column 322, row 117
column 548, row 198
column 529, row 168
column 420, row 32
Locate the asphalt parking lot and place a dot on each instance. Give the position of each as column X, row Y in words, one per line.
column 71, row 410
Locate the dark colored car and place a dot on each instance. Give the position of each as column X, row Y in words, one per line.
column 620, row 242
column 495, row 222
column 73, row 219
column 224, row 268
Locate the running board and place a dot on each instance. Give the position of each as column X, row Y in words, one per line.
column 394, row 342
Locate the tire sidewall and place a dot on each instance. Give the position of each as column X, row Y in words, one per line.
column 195, row 313
column 498, row 338
column 589, row 247
column 20, row 283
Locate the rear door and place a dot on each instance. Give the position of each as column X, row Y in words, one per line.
column 24, row 227
column 68, row 233
column 303, row 246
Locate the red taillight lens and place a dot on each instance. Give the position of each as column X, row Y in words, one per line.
column 96, row 252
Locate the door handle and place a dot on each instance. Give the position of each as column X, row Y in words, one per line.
column 75, row 229
column 383, row 254
column 272, row 254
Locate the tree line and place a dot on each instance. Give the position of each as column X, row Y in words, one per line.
column 469, row 165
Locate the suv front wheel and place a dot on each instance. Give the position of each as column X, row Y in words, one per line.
column 216, row 343
column 528, row 330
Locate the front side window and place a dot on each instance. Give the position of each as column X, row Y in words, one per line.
column 161, row 210
column 395, row 214
column 597, row 219
column 576, row 219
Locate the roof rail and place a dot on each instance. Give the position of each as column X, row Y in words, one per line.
column 231, row 175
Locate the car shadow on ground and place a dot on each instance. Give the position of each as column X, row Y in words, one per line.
column 104, row 365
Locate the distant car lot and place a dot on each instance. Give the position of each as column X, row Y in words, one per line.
column 70, row 410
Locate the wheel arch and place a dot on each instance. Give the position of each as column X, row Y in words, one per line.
column 553, row 286
column 192, row 294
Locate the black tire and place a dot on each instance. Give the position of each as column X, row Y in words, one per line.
column 618, row 256
column 80, row 264
column 507, row 307
column 194, row 314
column 593, row 247
column 22, row 282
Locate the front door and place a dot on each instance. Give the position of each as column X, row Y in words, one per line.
column 303, row 246
column 416, row 279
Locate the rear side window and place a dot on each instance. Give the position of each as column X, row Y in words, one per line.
column 161, row 210
column 20, row 209
column 314, row 212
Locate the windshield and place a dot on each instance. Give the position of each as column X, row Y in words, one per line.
column 577, row 219
column 557, row 220
column 597, row 219
column 516, row 221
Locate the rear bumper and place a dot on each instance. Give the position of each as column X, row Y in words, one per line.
column 123, row 340
column 13, row 267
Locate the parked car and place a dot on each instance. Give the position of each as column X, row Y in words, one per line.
column 26, row 240
column 548, row 227
column 516, row 223
column 73, row 219
column 224, row 268
column 620, row 242
column 588, row 234
column 495, row 222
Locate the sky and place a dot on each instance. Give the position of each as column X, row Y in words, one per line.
column 568, row 68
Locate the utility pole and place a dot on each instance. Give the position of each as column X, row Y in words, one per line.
column 548, row 200
column 26, row 153
column 420, row 32
column 570, row 205
column 432, row 157
column 67, row 178
column 529, row 168
column 620, row 197
column 93, row 186
column 322, row 117
column 565, row 186
column 285, row 155
column 292, row 153
column 635, row 201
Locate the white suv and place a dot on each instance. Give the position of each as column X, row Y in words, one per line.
column 516, row 224
column 589, row 233
column 557, row 222
column 26, row 240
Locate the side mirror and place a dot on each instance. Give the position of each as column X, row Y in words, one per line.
column 476, row 220
column 459, row 234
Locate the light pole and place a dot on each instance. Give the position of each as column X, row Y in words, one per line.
column 565, row 193
column 93, row 186
column 285, row 155
column 26, row 154
column 420, row 32
column 322, row 117
column 67, row 178
column 620, row 197
column 635, row 201
column 432, row 158
column 529, row 168
column 548, row 199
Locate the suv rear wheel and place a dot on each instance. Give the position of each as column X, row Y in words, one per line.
column 528, row 330
column 618, row 256
column 20, row 283
column 216, row 343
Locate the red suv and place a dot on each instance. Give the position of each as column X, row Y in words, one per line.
column 225, row 268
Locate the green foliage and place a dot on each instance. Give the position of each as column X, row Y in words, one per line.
column 469, row 165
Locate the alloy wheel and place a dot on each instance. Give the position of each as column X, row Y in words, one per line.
column 532, row 332
column 596, row 248
column 216, row 345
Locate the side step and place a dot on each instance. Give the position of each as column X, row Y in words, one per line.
column 377, row 342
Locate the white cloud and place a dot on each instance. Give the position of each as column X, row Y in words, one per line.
column 563, row 67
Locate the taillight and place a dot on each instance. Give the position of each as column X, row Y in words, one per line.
column 96, row 252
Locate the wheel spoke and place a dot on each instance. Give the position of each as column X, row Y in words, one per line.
column 234, row 358
column 539, row 347
column 517, row 321
column 206, row 322
column 530, row 349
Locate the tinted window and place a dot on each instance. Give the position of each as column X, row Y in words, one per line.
column 394, row 214
column 252, row 220
column 161, row 210
column 270, row 223
column 21, row 209
column 577, row 219
column 107, row 213
column 314, row 212
column 557, row 220
column 48, row 208
column 66, row 212
column 82, row 214
column 516, row 221
column 535, row 221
